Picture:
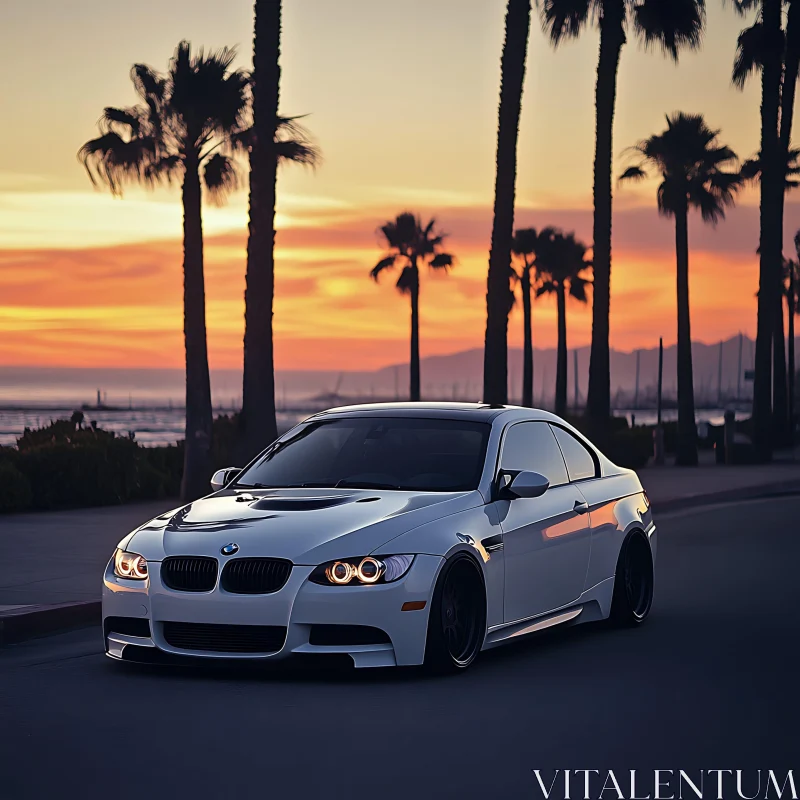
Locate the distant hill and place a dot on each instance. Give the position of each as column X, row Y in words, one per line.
column 457, row 375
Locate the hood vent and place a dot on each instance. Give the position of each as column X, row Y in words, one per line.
column 298, row 503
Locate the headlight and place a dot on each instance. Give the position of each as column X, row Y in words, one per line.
column 364, row 571
column 130, row 565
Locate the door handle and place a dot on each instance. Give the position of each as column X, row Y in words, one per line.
column 581, row 507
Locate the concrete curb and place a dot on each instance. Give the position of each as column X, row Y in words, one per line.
column 780, row 489
column 28, row 622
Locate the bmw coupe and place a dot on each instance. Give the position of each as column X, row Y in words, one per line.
column 395, row 534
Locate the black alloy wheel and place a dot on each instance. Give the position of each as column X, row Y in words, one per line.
column 633, row 583
column 457, row 623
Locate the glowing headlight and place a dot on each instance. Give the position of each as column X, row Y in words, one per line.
column 364, row 571
column 130, row 565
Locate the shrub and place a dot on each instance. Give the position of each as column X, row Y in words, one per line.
column 65, row 464
column 629, row 447
column 15, row 488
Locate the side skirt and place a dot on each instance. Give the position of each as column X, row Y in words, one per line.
column 594, row 604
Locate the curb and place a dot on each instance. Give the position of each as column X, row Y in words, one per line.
column 781, row 489
column 29, row 622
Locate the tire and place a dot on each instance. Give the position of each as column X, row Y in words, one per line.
column 633, row 582
column 457, row 620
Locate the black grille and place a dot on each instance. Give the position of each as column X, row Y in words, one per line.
column 255, row 575
column 128, row 626
column 347, row 635
column 225, row 638
column 189, row 573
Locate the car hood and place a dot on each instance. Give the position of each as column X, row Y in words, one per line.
column 306, row 526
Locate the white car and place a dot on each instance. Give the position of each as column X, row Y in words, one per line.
column 396, row 534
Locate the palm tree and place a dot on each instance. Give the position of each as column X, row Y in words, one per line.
column 768, row 37
column 523, row 246
column 273, row 139
column 183, row 129
column 750, row 57
column 411, row 244
column 690, row 162
column 498, row 300
column 672, row 24
column 781, row 422
column 560, row 263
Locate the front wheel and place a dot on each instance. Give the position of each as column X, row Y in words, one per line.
column 457, row 621
column 633, row 582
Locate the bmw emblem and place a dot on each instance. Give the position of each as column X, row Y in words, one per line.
column 230, row 549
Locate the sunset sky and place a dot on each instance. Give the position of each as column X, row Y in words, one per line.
column 404, row 108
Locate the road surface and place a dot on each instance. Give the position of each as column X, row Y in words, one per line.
column 710, row 682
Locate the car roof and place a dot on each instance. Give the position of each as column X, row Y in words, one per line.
column 478, row 412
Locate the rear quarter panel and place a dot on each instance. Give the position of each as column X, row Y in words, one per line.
column 617, row 506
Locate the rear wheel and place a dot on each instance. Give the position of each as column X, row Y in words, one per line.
column 457, row 621
column 633, row 582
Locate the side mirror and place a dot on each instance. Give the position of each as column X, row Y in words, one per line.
column 525, row 484
column 222, row 477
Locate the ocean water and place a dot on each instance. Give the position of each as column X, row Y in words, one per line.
column 158, row 426
column 150, row 426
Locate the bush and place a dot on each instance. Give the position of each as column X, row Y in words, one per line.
column 70, row 465
column 625, row 446
column 630, row 447
column 15, row 488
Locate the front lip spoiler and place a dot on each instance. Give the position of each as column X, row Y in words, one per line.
column 153, row 656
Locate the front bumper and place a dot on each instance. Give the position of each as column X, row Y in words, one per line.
column 297, row 606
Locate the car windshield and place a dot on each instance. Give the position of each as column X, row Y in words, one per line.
column 404, row 453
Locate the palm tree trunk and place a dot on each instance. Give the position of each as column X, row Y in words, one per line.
column 770, row 244
column 780, row 407
column 527, row 333
column 197, row 448
column 612, row 38
column 257, row 423
column 561, row 363
column 781, row 387
column 512, row 75
column 687, row 429
column 413, row 364
column 791, row 303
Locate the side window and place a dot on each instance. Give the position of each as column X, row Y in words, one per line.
column 580, row 462
column 532, row 446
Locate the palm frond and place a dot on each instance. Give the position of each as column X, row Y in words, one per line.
column 633, row 174
column 297, row 152
column 401, row 233
column 111, row 160
column 220, row 177
column 749, row 54
column 443, row 261
column 127, row 119
column 742, row 6
column 524, row 242
column 671, row 24
column 384, row 263
column 578, row 289
column 565, row 19
column 408, row 280
column 546, row 287
column 166, row 169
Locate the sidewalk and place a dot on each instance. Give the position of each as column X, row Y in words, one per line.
column 49, row 558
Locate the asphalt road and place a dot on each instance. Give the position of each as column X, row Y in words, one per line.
column 710, row 682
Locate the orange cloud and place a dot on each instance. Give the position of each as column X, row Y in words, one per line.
column 121, row 304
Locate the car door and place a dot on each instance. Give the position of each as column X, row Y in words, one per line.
column 547, row 539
